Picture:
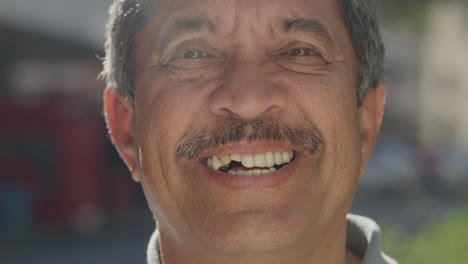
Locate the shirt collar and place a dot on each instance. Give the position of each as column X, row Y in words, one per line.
column 363, row 239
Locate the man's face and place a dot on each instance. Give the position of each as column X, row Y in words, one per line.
column 206, row 68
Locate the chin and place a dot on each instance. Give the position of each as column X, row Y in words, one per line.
column 251, row 232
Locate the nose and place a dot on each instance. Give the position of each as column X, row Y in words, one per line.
column 245, row 93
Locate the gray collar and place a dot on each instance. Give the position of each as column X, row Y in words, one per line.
column 363, row 239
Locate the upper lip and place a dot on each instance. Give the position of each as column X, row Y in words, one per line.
column 253, row 147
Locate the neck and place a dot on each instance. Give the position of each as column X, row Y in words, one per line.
column 330, row 249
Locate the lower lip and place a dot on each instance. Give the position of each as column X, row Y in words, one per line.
column 267, row 181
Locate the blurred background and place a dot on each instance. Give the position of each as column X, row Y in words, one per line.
column 65, row 196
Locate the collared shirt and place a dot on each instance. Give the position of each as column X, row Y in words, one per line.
column 363, row 240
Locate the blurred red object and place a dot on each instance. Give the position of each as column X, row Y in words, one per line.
column 62, row 143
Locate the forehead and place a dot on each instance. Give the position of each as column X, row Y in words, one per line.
column 232, row 8
column 259, row 15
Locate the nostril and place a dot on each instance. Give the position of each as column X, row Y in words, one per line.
column 225, row 112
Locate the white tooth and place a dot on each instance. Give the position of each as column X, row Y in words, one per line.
column 278, row 158
column 236, row 157
column 210, row 163
column 216, row 163
column 225, row 160
column 270, row 159
column 260, row 160
column 240, row 172
column 257, row 172
column 248, row 173
column 285, row 157
column 247, row 161
column 272, row 170
column 291, row 154
column 232, row 172
column 264, row 172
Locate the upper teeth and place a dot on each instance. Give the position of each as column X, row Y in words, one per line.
column 263, row 160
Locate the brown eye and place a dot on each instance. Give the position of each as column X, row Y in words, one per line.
column 299, row 57
column 194, row 54
column 301, row 52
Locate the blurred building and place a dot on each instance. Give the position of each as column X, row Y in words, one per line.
column 57, row 166
column 424, row 139
column 444, row 77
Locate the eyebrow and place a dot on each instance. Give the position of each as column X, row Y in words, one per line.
column 187, row 25
column 310, row 26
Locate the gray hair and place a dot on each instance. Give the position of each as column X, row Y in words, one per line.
column 360, row 17
column 127, row 17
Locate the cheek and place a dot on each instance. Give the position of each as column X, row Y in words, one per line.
column 167, row 108
column 325, row 100
column 330, row 104
column 342, row 152
column 165, row 112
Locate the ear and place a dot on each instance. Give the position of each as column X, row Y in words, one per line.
column 370, row 118
column 119, row 114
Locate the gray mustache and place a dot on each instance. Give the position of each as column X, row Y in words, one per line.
column 305, row 136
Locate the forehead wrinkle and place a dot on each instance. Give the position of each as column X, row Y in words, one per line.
column 186, row 26
column 307, row 26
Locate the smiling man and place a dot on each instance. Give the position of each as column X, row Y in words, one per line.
column 248, row 124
